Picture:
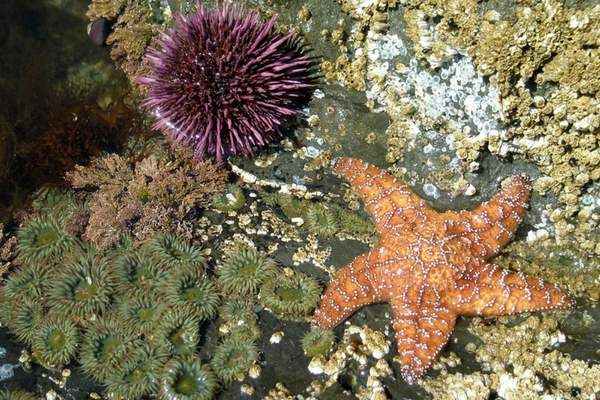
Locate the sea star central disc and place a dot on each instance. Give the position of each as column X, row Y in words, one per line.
column 432, row 266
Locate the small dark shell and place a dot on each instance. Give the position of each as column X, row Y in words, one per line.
column 99, row 30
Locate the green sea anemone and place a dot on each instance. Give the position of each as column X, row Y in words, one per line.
column 54, row 201
column 246, row 331
column 43, row 238
column 178, row 328
column 352, row 222
column 231, row 200
column 168, row 251
column 142, row 313
column 31, row 281
column 241, row 319
column 318, row 342
column 232, row 359
column 291, row 206
column 84, row 288
column 291, row 296
column 106, row 348
column 238, row 309
column 6, row 394
column 7, row 308
column 244, row 269
column 135, row 272
column 55, row 342
column 26, row 315
column 141, row 377
column 320, row 220
column 187, row 379
column 192, row 288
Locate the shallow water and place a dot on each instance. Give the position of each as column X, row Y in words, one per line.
column 71, row 76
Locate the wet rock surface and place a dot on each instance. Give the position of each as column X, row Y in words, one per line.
column 357, row 113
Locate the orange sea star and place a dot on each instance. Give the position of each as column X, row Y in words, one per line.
column 431, row 266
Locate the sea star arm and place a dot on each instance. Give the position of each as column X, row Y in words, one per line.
column 493, row 291
column 421, row 333
column 353, row 286
column 390, row 202
column 491, row 225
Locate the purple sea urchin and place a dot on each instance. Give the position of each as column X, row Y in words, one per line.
column 223, row 81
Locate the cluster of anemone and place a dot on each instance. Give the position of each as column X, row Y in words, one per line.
column 322, row 219
column 122, row 314
column 55, row 202
column 132, row 316
column 243, row 272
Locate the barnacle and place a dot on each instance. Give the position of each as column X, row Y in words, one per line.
column 232, row 358
column 187, row 379
column 318, row 342
column 42, row 238
column 231, row 200
column 55, row 342
column 320, row 220
column 169, row 251
column 106, row 348
column 192, row 288
column 290, row 296
column 178, row 329
column 244, row 269
column 140, row 377
column 84, row 288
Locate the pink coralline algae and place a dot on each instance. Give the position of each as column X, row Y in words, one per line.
column 225, row 82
